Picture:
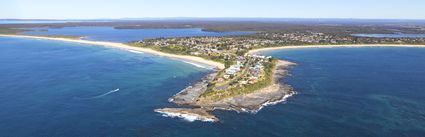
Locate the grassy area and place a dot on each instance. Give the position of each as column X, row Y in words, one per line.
column 212, row 94
column 180, row 50
column 10, row 30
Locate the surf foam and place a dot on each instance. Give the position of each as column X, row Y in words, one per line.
column 187, row 117
column 269, row 103
column 197, row 65
column 135, row 51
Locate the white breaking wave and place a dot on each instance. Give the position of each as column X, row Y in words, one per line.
column 186, row 117
column 269, row 103
column 107, row 93
column 135, row 51
column 197, row 65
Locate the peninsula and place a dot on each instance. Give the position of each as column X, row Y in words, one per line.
column 243, row 83
column 242, row 80
column 248, row 82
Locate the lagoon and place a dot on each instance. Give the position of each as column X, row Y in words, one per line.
column 126, row 35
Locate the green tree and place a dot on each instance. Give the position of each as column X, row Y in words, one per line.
column 227, row 63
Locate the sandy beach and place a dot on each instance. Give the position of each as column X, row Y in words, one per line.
column 252, row 102
column 254, row 51
column 127, row 47
column 193, row 58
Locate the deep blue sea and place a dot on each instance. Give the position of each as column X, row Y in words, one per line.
column 51, row 88
column 126, row 35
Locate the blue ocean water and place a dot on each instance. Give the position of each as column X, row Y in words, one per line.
column 376, row 91
column 50, row 88
column 127, row 35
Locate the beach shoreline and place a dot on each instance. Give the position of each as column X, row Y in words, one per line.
column 126, row 47
column 214, row 64
column 252, row 102
column 255, row 51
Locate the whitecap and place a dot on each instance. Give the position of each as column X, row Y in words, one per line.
column 197, row 65
column 135, row 51
column 269, row 103
column 186, row 117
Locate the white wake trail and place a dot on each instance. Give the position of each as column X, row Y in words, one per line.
column 107, row 93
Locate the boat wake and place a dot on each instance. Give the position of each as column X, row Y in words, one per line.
column 107, row 93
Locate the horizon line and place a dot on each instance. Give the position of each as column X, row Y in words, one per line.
column 165, row 18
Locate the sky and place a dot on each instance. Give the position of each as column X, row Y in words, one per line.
column 116, row 9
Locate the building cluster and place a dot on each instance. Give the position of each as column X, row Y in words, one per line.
column 247, row 69
column 235, row 44
column 368, row 40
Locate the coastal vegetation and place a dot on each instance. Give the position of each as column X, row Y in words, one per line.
column 13, row 31
column 242, row 82
column 7, row 30
column 238, row 77
column 266, row 80
column 336, row 26
column 244, row 73
column 183, row 50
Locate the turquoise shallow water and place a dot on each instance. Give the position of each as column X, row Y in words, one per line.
column 50, row 88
